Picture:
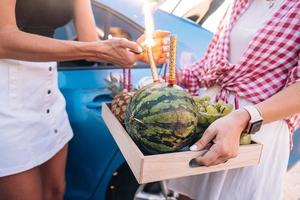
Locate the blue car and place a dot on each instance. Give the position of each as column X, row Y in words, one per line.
column 96, row 169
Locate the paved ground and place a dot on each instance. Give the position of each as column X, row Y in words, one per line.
column 292, row 183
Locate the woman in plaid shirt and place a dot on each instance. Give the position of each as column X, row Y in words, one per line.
column 254, row 59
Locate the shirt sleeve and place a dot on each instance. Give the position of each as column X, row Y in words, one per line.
column 294, row 75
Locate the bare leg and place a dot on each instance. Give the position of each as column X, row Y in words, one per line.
column 53, row 176
column 22, row 186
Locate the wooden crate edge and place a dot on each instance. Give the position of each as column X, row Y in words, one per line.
column 254, row 152
column 131, row 153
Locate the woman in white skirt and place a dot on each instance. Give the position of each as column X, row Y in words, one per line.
column 34, row 126
column 253, row 62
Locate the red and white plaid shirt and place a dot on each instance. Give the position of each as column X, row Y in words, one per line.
column 270, row 63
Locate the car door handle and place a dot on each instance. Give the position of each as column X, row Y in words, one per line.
column 97, row 101
column 93, row 105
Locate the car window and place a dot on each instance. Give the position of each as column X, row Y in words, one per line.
column 206, row 13
column 115, row 25
column 109, row 24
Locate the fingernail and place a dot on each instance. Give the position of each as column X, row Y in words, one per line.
column 165, row 48
column 166, row 41
column 140, row 49
column 194, row 148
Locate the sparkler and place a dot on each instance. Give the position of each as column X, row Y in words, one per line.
column 148, row 9
column 172, row 70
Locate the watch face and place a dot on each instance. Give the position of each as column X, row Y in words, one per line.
column 255, row 127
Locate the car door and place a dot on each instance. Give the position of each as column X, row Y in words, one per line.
column 93, row 155
column 82, row 83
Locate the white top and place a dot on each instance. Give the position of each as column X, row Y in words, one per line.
column 250, row 22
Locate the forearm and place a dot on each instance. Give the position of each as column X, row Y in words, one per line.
column 84, row 21
column 19, row 45
column 281, row 105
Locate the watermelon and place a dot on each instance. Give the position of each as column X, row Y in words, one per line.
column 161, row 118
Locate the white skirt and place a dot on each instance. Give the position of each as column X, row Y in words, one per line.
column 34, row 125
column 264, row 181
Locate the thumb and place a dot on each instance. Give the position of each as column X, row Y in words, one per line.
column 132, row 46
column 204, row 141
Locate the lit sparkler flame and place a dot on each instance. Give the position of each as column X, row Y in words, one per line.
column 148, row 10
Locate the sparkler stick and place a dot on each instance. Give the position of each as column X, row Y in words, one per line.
column 152, row 65
column 172, row 67
column 148, row 9
column 124, row 80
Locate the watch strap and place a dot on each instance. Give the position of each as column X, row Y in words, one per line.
column 255, row 119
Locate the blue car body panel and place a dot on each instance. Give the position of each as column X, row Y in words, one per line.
column 295, row 153
column 92, row 152
column 93, row 155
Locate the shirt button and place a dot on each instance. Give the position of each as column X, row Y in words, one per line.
column 50, row 69
column 49, row 92
column 48, row 111
column 55, row 131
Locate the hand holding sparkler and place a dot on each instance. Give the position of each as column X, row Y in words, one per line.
column 160, row 49
column 149, row 8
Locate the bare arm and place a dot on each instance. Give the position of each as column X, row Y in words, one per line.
column 281, row 105
column 84, row 21
column 16, row 44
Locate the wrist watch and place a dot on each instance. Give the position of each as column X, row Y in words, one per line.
column 256, row 119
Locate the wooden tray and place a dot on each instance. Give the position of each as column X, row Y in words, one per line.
column 150, row 168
